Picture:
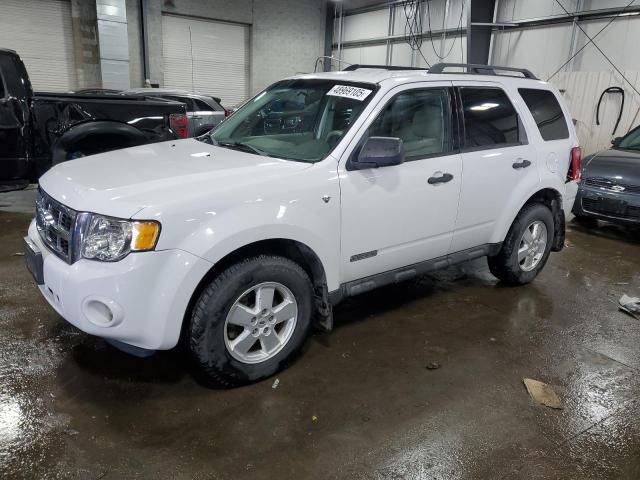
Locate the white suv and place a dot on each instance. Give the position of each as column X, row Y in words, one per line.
column 321, row 187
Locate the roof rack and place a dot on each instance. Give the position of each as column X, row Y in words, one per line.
column 356, row 66
column 471, row 68
column 477, row 69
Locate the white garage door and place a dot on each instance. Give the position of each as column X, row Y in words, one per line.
column 40, row 31
column 206, row 57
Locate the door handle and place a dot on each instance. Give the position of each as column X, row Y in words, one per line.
column 521, row 164
column 444, row 178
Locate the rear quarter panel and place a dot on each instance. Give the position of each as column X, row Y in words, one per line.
column 553, row 157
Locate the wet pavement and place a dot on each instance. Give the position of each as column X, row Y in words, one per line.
column 73, row 407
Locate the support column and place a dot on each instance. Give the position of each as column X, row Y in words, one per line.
column 479, row 36
column 85, row 44
column 114, row 43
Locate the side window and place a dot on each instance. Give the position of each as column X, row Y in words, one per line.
column 489, row 117
column 547, row 113
column 2, row 90
column 200, row 106
column 216, row 105
column 421, row 118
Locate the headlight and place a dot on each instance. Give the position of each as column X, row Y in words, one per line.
column 111, row 239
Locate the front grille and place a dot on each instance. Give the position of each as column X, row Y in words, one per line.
column 611, row 185
column 596, row 206
column 633, row 211
column 55, row 224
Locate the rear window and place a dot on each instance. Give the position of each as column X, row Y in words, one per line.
column 546, row 112
column 489, row 118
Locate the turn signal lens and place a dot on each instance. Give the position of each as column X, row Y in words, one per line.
column 144, row 235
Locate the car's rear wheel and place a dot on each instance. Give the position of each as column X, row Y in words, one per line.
column 526, row 248
column 251, row 320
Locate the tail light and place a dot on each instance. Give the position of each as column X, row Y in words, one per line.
column 227, row 113
column 179, row 124
column 575, row 165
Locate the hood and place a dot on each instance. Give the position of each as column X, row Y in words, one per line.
column 622, row 166
column 123, row 182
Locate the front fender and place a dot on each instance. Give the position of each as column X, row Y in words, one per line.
column 212, row 227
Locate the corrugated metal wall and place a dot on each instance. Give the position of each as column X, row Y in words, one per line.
column 582, row 90
column 544, row 49
column 376, row 25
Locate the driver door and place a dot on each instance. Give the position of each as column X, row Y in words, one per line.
column 404, row 214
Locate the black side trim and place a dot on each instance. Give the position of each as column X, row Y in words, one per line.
column 398, row 275
column 362, row 256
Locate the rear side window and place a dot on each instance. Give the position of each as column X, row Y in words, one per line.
column 216, row 105
column 546, row 112
column 2, row 90
column 489, row 118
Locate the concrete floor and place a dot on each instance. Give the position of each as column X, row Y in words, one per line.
column 72, row 407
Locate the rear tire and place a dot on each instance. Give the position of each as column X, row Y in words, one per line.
column 251, row 321
column 522, row 255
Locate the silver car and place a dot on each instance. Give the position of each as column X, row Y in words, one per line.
column 204, row 111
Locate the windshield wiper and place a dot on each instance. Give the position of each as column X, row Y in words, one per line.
column 244, row 147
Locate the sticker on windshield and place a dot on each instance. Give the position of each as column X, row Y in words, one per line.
column 349, row 92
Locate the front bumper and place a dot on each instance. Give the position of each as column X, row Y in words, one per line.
column 601, row 204
column 140, row 300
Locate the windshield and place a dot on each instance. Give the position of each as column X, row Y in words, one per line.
column 631, row 140
column 300, row 120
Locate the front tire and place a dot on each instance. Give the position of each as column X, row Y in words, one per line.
column 526, row 248
column 251, row 320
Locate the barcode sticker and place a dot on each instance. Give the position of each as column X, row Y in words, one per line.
column 349, row 92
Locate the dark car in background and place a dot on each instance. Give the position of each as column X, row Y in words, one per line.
column 610, row 185
column 38, row 130
column 204, row 111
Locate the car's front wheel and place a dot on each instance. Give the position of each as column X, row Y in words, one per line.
column 251, row 320
column 526, row 248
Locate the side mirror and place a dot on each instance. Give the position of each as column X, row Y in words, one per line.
column 616, row 141
column 379, row 152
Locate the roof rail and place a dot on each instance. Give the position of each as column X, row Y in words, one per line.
column 353, row 67
column 481, row 69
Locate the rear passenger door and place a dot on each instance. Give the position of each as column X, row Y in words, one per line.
column 499, row 165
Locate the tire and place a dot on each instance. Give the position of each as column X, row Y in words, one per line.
column 212, row 321
column 505, row 265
